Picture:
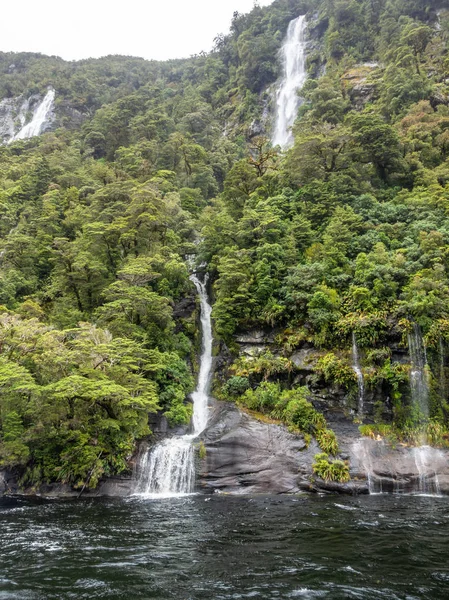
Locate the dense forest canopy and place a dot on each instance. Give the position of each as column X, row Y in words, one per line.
column 150, row 163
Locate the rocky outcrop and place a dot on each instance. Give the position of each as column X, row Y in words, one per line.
column 244, row 455
column 247, row 456
column 400, row 469
column 359, row 85
column 110, row 487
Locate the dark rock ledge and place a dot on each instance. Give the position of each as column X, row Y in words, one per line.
column 247, row 456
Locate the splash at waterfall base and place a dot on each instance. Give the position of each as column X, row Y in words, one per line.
column 247, row 456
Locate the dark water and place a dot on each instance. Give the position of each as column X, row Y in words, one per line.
column 226, row 547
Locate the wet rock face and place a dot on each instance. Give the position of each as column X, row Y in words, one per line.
column 112, row 487
column 244, row 455
column 400, row 469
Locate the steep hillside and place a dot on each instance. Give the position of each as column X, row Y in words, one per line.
column 328, row 262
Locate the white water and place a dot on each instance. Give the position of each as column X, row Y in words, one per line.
column 358, row 371
column 168, row 469
column 442, row 370
column 39, row 120
column 287, row 99
column 419, row 384
column 412, row 471
column 425, row 459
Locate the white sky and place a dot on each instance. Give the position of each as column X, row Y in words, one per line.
column 157, row 29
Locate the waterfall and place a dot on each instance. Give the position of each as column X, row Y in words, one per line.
column 294, row 65
column 443, row 393
column 200, row 395
column 39, row 120
column 358, row 371
column 419, row 385
column 428, row 484
column 363, row 451
column 168, row 469
column 407, row 471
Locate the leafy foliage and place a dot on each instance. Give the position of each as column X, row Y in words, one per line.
column 347, row 232
column 330, row 470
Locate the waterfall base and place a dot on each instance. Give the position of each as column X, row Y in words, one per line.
column 167, row 470
column 422, row 471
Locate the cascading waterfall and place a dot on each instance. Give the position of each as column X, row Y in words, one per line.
column 39, row 120
column 419, row 385
column 358, row 371
column 287, row 100
column 168, row 469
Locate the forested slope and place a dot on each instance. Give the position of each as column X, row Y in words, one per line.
column 149, row 163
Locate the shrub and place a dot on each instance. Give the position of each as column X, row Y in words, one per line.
column 336, row 370
column 236, row 386
column 327, row 441
column 202, row 453
column 263, row 399
column 330, row 470
column 300, row 413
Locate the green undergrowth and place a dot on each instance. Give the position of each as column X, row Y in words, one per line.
column 432, row 433
column 290, row 407
column 331, row 470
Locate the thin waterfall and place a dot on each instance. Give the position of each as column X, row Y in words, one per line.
column 443, row 392
column 168, row 469
column 414, row 473
column 294, row 65
column 40, row 118
column 362, row 449
column 419, row 384
column 358, row 371
column 428, row 483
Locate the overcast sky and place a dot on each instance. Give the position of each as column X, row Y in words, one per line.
column 158, row 29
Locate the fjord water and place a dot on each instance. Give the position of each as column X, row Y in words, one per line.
column 294, row 75
column 223, row 548
column 168, row 469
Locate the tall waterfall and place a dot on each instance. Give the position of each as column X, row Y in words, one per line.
column 168, row 469
column 294, row 76
column 358, row 371
column 40, row 118
column 419, row 385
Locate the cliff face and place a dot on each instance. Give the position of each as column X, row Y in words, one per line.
column 244, row 455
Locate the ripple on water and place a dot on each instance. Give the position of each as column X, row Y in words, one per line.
column 226, row 548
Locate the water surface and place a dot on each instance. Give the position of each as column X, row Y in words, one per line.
column 221, row 547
